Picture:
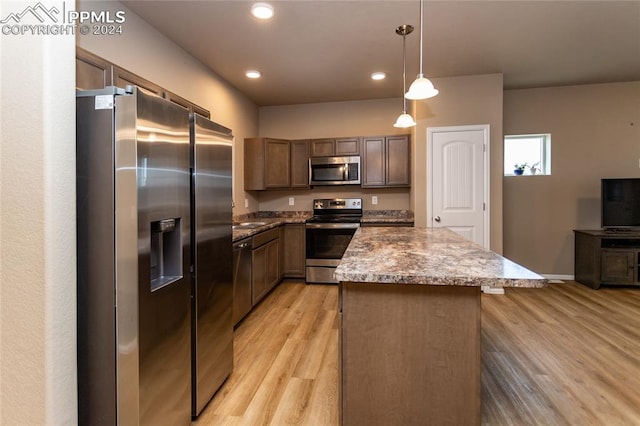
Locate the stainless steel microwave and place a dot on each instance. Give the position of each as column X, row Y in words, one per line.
column 334, row 170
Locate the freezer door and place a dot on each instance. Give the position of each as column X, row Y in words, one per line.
column 212, row 301
column 158, row 135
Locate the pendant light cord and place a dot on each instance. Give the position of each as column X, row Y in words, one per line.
column 421, row 27
column 404, row 72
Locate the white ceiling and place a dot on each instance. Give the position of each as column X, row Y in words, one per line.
column 324, row 51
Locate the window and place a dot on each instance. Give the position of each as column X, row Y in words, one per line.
column 532, row 153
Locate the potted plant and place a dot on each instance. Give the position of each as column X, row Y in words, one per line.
column 518, row 169
column 535, row 169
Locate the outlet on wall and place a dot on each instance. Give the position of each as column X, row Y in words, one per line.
column 374, row 199
column 246, row 203
column 292, row 201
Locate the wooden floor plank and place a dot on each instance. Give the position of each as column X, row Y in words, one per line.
column 323, row 405
column 562, row 355
column 565, row 337
column 315, row 346
column 270, row 394
column 294, row 407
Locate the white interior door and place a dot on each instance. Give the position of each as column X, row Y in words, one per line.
column 458, row 180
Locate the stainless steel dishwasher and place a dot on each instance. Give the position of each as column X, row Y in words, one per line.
column 241, row 279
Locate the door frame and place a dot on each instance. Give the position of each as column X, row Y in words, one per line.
column 487, row 143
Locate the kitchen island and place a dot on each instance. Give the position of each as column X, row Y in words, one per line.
column 410, row 325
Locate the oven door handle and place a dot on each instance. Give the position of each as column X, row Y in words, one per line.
column 332, row 225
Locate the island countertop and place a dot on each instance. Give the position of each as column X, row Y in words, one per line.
column 428, row 256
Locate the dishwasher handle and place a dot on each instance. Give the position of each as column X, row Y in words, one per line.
column 242, row 244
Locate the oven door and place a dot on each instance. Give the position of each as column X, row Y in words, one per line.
column 326, row 243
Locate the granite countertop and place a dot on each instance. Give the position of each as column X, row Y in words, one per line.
column 433, row 256
column 271, row 219
column 239, row 234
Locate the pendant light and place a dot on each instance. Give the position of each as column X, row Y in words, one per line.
column 421, row 88
column 404, row 120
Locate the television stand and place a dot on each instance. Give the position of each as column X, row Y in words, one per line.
column 620, row 230
column 605, row 257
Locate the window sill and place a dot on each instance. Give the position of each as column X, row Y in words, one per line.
column 528, row 175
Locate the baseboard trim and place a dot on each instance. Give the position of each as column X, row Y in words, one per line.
column 558, row 279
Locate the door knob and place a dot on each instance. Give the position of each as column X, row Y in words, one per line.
column 437, row 219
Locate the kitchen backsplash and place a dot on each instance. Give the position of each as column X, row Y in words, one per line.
column 271, row 215
column 405, row 214
column 391, row 214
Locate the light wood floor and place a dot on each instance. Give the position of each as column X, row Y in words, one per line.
column 563, row 355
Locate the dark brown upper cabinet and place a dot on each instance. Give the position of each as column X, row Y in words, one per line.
column 267, row 164
column 94, row 72
column 386, row 161
column 300, row 164
column 331, row 147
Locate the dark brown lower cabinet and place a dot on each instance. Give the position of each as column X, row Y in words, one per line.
column 604, row 257
column 294, row 250
column 265, row 265
column 277, row 253
column 618, row 266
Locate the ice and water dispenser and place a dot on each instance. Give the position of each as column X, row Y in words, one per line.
column 166, row 253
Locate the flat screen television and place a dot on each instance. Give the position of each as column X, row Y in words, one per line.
column 621, row 203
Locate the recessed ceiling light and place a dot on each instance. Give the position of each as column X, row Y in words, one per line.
column 262, row 10
column 253, row 74
column 378, row 76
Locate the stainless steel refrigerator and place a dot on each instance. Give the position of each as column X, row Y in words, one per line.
column 134, row 259
column 212, row 286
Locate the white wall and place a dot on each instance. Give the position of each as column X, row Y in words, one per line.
column 37, row 227
column 595, row 133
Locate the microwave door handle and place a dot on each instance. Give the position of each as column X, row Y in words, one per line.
column 346, row 172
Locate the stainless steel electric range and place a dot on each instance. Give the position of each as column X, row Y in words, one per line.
column 328, row 234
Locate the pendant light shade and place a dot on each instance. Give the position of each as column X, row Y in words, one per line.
column 404, row 120
column 421, row 88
